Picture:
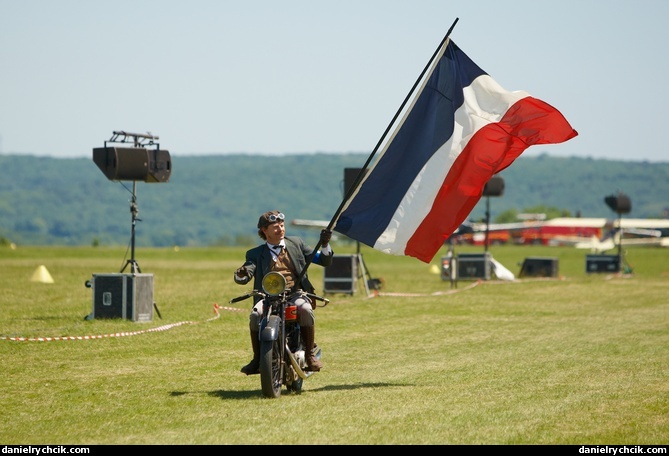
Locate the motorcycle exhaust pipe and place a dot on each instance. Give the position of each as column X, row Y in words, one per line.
column 293, row 361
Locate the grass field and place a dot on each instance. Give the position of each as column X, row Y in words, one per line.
column 578, row 359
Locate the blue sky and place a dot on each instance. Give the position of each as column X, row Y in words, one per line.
column 270, row 77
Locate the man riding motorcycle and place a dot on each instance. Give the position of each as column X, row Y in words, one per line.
column 287, row 255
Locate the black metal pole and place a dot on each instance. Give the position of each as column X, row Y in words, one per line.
column 133, row 211
column 487, row 221
column 620, row 243
column 134, row 267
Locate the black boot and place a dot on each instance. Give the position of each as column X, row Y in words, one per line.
column 254, row 366
column 313, row 364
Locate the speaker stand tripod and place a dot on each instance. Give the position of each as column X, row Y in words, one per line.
column 132, row 262
column 623, row 265
column 364, row 274
column 362, row 270
column 134, row 266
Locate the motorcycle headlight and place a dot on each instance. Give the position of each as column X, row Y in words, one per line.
column 274, row 283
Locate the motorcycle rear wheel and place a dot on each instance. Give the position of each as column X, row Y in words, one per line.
column 270, row 368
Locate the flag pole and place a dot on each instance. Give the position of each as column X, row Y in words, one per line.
column 360, row 175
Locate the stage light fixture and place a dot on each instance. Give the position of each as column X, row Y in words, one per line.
column 129, row 295
column 620, row 203
column 137, row 163
column 494, row 187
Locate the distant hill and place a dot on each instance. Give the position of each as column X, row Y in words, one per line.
column 216, row 200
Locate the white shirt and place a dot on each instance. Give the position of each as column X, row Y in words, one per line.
column 276, row 251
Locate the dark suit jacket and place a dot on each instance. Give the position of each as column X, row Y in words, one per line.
column 259, row 262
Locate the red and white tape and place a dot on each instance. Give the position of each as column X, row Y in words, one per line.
column 119, row 334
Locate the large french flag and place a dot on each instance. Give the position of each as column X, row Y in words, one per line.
column 460, row 130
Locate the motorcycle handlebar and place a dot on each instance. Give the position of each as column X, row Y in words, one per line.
column 256, row 292
column 243, row 297
column 319, row 298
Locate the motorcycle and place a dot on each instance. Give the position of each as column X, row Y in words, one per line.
column 282, row 356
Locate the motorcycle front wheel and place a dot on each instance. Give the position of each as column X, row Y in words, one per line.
column 296, row 386
column 270, row 368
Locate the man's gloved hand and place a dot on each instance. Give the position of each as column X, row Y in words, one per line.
column 325, row 237
column 241, row 272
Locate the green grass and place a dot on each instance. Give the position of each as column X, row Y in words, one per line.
column 580, row 359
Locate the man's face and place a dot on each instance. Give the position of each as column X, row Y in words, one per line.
column 275, row 232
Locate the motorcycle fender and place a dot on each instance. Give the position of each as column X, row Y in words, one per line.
column 271, row 329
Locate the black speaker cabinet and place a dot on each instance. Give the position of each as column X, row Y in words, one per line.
column 539, row 267
column 350, row 174
column 602, row 263
column 494, row 187
column 621, row 203
column 133, row 163
column 127, row 296
column 342, row 275
column 473, row 266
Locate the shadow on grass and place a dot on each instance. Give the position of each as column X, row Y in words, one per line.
column 235, row 394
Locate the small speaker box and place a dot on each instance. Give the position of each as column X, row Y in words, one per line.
column 473, row 266
column 602, row 263
column 127, row 296
column 539, row 267
column 342, row 275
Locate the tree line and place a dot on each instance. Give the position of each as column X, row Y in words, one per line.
column 216, row 199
